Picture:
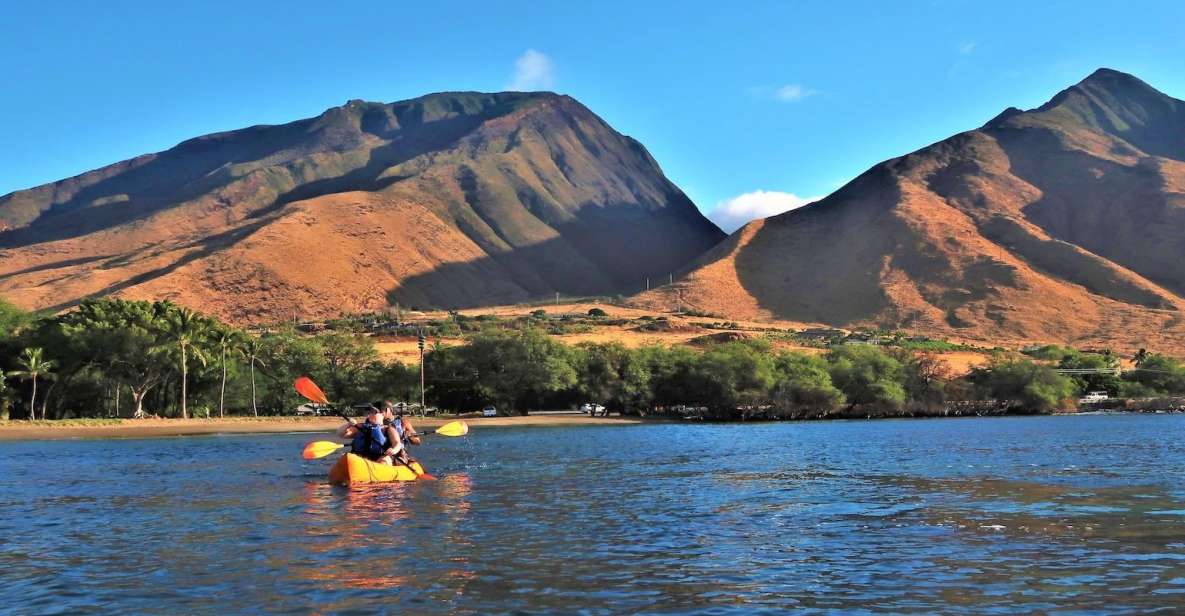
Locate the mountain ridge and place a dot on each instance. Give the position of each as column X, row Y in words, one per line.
column 525, row 194
column 1052, row 224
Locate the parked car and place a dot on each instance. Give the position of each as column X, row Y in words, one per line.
column 592, row 409
column 313, row 410
column 489, row 411
column 1094, row 396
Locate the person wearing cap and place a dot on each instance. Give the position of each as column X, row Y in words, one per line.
column 372, row 439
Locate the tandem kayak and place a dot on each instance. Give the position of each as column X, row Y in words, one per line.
column 351, row 469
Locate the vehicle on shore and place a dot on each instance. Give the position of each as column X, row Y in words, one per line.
column 593, row 410
column 313, row 410
column 489, row 411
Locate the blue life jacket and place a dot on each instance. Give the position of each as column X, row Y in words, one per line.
column 369, row 442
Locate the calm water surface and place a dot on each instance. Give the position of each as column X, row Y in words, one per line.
column 1074, row 514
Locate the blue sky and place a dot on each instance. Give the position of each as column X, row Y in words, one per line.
column 766, row 101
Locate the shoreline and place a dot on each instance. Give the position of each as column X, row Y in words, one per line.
column 99, row 429
column 52, row 430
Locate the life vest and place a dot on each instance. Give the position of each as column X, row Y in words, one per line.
column 369, row 442
column 397, row 424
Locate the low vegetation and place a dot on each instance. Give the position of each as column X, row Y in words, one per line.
column 118, row 358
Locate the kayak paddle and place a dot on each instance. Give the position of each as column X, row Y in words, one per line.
column 320, row 449
column 307, row 388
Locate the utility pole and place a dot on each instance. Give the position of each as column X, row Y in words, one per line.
column 557, row 298
column 671, row 278
column 647, row 283
column 423, row 409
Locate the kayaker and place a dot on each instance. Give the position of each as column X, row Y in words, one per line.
column 371, row 439
column 401, row 426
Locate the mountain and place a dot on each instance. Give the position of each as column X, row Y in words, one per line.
column 1062, row 223
column 449, row 200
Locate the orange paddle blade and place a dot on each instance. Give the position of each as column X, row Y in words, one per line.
column 319, row 449
column 307, row 388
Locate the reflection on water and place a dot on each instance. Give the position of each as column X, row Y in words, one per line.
column 970, row 515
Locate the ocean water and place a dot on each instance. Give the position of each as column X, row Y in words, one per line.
column 983, row 515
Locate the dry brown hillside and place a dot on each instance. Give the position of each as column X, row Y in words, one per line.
column 450, row 200
column 1064, row 223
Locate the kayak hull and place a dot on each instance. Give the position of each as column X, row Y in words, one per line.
column 351, row 469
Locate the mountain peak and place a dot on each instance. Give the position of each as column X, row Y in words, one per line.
column 1123, row 106
column 1119, row 86
column 1110, row 76
column 1106, row 86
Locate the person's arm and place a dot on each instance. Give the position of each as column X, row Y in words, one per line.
column 347, row 431
column 413, row 437
column 393, row 438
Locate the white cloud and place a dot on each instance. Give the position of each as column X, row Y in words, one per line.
column 732, row 214
column 533, row 71
column 789, row 93
column 967, row 47
column 793, row 92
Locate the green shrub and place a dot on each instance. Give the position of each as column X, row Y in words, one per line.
column 1159, row 374
column 1036, row 387
column 804, row 387
column 1050, row 352
column 867, row 375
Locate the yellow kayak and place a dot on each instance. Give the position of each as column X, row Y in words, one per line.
column 351, row 469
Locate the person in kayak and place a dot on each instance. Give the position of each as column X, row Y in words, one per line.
column 402, row 427
column 372, row 439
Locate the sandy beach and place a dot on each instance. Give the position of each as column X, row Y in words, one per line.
column 149, row 428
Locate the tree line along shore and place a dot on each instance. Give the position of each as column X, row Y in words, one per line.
column 121, row 358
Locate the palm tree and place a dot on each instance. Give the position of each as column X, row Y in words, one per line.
column 251, row 348
column 228, row 342
column 33, row 364
column 1141, row 356
column 186, row 330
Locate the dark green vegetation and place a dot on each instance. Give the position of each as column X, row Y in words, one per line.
column 117, row 357
column 120, row 358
